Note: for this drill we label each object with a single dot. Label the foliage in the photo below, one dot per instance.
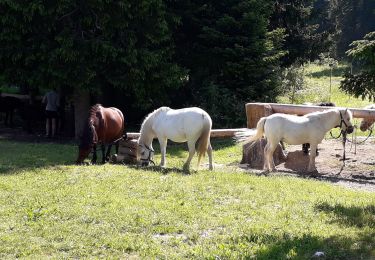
(362, 84)
(89, 44)
(51, 209)
(293, 81)
(301, 20)
(230, 56)
(351, 19)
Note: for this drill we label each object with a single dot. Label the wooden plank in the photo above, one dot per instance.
(215, 133)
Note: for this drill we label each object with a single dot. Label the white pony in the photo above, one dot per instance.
(181, 125)
(310, 128)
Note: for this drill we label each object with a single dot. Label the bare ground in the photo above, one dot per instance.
(358, 172)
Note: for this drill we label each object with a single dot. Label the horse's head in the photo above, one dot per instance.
(367, 123)
(345, 120)
(145, 154)
(87, 141)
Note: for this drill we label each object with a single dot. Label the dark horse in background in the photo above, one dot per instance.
(8, 105)
(105, 126)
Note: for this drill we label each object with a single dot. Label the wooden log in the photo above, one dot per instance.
(255, 111)
(304, 109)
(253, 154)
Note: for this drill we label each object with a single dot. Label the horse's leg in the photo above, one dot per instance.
(191, 146)
(209, 152)
(6, 117)
(108, 153)
(311, 166)
(93, 161)
(265, 158)
(270, 151)
(103, 153)
(11, 118)
(117, 146)
(163, 150)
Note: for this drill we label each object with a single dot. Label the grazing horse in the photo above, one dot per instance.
(181, 125)
(310, 128)
(104, 126)
(8, 105)
(367, 123)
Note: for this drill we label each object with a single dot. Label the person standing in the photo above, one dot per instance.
(52, 101)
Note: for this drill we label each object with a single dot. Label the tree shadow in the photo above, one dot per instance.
(16, 156)
(305, 247)
(350, 215)
(161, 170)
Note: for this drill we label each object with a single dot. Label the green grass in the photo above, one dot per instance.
(317, 89)
(52, 209)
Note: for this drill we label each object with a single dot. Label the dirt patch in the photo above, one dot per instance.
(358, 171)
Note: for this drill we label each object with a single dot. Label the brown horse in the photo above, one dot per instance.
(105, 126)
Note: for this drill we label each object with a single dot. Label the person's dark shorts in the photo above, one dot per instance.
(51, 114)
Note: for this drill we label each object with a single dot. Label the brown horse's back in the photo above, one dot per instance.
(110, 124)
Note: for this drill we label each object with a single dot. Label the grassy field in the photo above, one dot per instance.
(319, 89)
(50, 208)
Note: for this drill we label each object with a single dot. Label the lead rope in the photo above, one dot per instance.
(343, 145)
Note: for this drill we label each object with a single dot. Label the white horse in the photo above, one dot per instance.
(181, 125)
(310, 128)
(367, 123)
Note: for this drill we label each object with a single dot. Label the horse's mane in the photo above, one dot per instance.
(329, 110)
(93, 110)
(372, 106)
(88, 134)
(153, 114)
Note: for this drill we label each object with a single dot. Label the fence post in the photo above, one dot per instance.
(254, 111)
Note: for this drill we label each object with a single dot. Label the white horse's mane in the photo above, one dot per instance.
(328, 110)
(153, 114)
(371, 106)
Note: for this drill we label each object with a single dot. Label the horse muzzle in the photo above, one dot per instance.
(350, 129)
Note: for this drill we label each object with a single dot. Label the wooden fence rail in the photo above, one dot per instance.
(254, 111)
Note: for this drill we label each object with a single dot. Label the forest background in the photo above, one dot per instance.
(218, 55)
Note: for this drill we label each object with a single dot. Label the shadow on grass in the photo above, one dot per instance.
(16, 156)
(350, 215)
(336, 72)
(305, 247)
(161, 169)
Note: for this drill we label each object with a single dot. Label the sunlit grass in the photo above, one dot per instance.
(320, 87)
(52, 209)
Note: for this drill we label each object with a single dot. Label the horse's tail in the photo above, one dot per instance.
(204, 141)
(260, 131)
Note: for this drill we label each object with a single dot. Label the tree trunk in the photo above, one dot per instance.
(81, 109)
(253, 154)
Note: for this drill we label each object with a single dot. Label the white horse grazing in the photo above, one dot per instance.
(181, 125)
(310, 128)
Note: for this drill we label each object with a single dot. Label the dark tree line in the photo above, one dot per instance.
(142, 54)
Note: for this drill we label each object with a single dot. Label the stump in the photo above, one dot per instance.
(127, 152)
(253, 155)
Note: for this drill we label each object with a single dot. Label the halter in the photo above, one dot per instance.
(343, 121)
(151, 152)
